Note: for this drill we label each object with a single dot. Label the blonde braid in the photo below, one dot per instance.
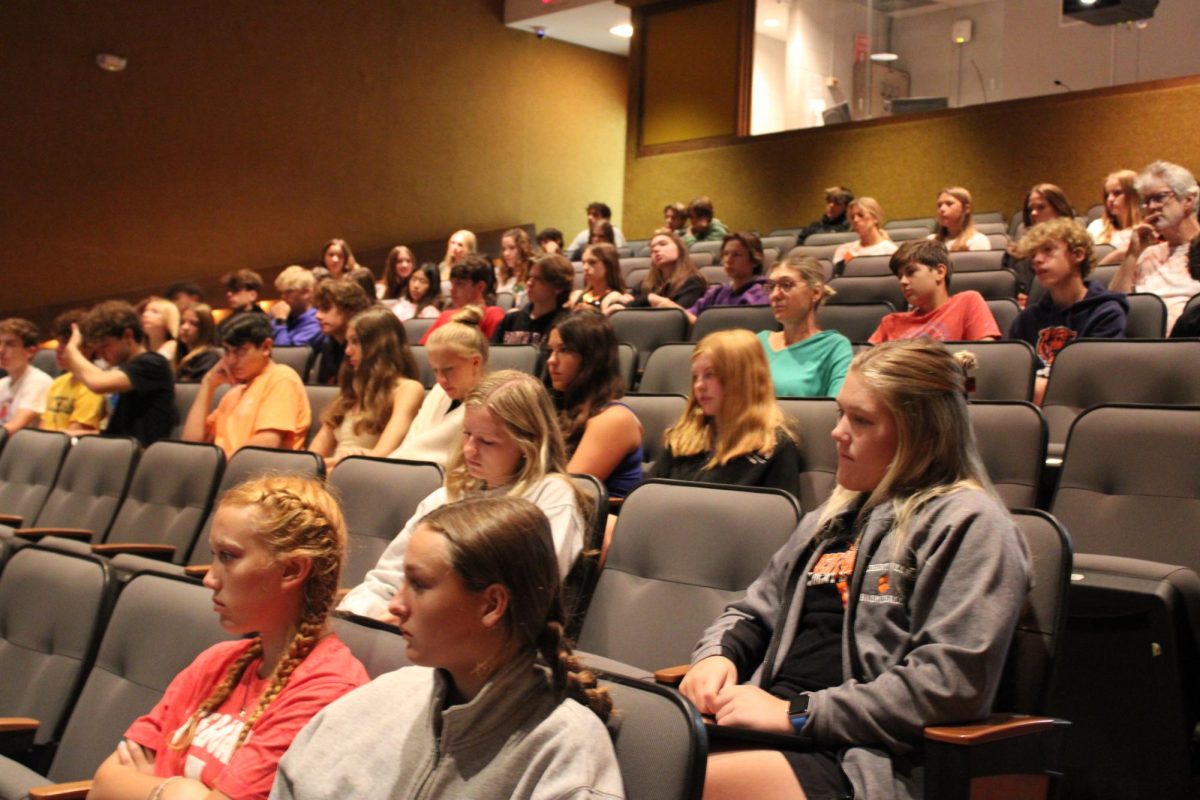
(233, 677)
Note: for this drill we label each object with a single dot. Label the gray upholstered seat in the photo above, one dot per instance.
(29, 465)
(1005, 311)
(296, 356)
(819, 239)
(723, 318)
(521, 357)
(415, 328)
(992, 284)
(91, 485)
(668, 370)
(656, 412)
(1011, 436)
(1147, 317)
(976, 261)
(424, 371)
(319, 398)
(868, 267)
(877, 289)
(647, 328)
(813, 419)
(378, 645)
(1004, 370)
(855, 321)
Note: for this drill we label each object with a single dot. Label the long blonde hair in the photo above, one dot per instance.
(924, 387)
(749, 420)
(1133, 208)
(297, 518)
(963, 196)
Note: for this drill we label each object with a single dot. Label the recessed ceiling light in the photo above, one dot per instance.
(110, 63)
(884, 57)
(624, 30)
(771, 23)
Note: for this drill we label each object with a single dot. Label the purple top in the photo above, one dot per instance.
(750, 293)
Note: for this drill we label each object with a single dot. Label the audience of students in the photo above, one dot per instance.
(911, 547)
(380, 391)
(266, 405)
(516, 261)
(1156, 260)
(225, 721)
(198, 350)
(597, 212)
(603, 281)
(804, 360)
(24, 388)
(398, 268)
(955, 227)
(337, 301)
(1072, 307)
(732, 429)
(160, 321)
(471, 285)
(139, 382)
(866, 220)
(583, 372)
(481, 602)
(547, 289)
(294, 317)
(1122, 211)
(924, 269)
(457, 353)
(703, 226)
(673, 277)
(422, 297)
(71, 407)
(837, 201)
(337, 257)
(510, 444)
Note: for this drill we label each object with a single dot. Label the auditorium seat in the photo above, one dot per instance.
(724, 318)
(1005, 311)
(825, 239)
(780, 242)
(580, 582)
(29, 465)
(1147, 317)
(656, 412)
(976, 261)
(424, 371)
(521, 357)
(414, 329)
(647, 328)
(813, 420)
(319, 398)
(901, 235)
(855, 321)
(1011, 437)
(296, 357)
(878, 289)
(993, 285)
(668, 370)
(1004, 369)
(867, 267)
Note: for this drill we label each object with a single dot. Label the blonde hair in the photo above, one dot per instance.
(298, 518)
(1133, 209)
(963, 196)
(461, 335)
(1065, 229)
(749, 420)
(294, 277)
(169, 312)
(924, 387)
(872, 207)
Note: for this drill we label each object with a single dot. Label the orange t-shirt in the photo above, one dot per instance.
(965, 317)
(274, 401)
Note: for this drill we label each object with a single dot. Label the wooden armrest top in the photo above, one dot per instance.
(671, 676)
(995, 728)
(196, 571)
(75, 790)
(17, 724)
(167, 550)
(11, 520)
(81, 534)
(615, 502)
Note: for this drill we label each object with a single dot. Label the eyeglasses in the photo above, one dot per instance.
(1158, 198)
(786, 286)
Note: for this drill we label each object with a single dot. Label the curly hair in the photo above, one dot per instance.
(524, 264)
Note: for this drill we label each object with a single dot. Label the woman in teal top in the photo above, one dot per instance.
(805, 361)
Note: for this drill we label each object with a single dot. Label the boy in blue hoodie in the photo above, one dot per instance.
(1072, 307)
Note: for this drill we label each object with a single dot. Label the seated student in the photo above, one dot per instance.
(934, 599)
(184, 294)
(837, 201)
(805, 361)
(924, 269)
(1157, 258)
(470, 285)
(510, 445)
(366, 281)
(1044, 202)
(597, 213)
(702, 225)
(198, 351)
(583, 371)
(160, 322)
(482, 603)
(547, 289)
(516, 261)
(866, 220)
(294, 318)
(379, 395)
(397, 269)
(23, 390)
(139, 382)
(226, 720)
(673, 279)
(460, 245)
(265, 406)
(675, 217)
(458, 354)
(955, 227)
(603, 282)
(1072, 308)
(338, 301)
(550, 241)
(241, 291)
(1121, 213)
(71, 407)
(732, 430)
(337, 257)
(422, 295)
(742, 258)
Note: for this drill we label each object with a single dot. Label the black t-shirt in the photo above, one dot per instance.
(814, 661)
(780, 470)
(147, 411)
(332, 352)
(519, 327)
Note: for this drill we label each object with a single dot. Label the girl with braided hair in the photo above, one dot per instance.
(480, 602)
(225, 721)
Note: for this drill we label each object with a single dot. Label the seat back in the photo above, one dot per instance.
(378, 496)
(158, 627)
(724, 318)
(1147, 317)
(1011, 437)
(581, 580)
(818, 239)
(668, 370)
(296, 357)
(709, 246)
(660, 741)
(424, 371)
(1004, 370)
(91, 484)
(29, 466)
(679, 554)
(521, 357)
(169, 496)
(319, 398)
(855, 321)
(976, 261)
(813, 420)
(647, 328)
(877, 289)
(901, 235)
(378, 645)
(185, 396)
(52, 610)
(250, 462)
(46, 359)
(629, 265)
(993, 284)
(416, 327)
(627, 358)
(781, 242)
(1005, 311)
(656, 412)
(867, 267)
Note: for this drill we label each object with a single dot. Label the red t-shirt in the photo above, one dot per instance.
(965, 317)
(328, 672)
(491, 318)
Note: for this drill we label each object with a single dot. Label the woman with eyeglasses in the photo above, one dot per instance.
(805, 361)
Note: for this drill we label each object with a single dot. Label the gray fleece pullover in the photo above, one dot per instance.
(926, 632)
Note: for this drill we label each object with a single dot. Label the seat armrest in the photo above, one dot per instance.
(12, 520)
(163, 552)
(75, 790)
(671, 676)
(993, 729)
(76, 534)
(1006, 755)
(16, 734)
(196, 571)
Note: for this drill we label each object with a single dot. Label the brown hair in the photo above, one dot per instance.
(23, 329)
(1055, 197)
(608, 255)
(395, 286)
(112, 318)
(344, 293)
(963, 196)
(242, 279)
(930, 252)
(590, 334)
(753, 245)
(684, 267)
(524, 256)
(371, 387)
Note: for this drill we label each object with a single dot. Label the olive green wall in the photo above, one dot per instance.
(246, 134)
(997, 151)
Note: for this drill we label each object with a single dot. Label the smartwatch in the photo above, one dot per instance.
(798, 712)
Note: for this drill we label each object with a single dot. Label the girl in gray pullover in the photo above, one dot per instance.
(930, 573)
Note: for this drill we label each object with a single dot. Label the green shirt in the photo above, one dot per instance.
(715, 233)
(812, 367)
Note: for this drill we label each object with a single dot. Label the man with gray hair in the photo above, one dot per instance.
(1157, 258)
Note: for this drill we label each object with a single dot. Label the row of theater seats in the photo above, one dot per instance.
(1125, 644)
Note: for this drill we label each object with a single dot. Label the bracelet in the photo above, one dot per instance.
(158, 790)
